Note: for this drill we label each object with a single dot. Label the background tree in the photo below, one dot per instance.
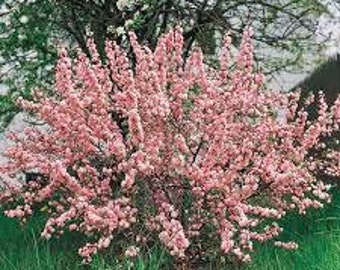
(29, 30)
(284, 26)
(27, 50)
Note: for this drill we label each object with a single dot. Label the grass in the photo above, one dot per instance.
(22, 249)
(317, 233)
(318, 236)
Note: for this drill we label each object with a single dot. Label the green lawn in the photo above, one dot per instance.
(317, 233)
(318, 236)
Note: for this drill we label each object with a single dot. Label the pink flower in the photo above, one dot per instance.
(131, 251)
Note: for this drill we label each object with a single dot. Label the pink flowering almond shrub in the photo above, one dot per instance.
(171, 150)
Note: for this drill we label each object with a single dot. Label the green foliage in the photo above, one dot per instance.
(27, 51)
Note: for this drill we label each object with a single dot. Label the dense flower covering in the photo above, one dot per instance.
(170, 150)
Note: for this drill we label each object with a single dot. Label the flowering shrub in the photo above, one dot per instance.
(170, 150)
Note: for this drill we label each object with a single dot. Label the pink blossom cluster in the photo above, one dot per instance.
(171, 147)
